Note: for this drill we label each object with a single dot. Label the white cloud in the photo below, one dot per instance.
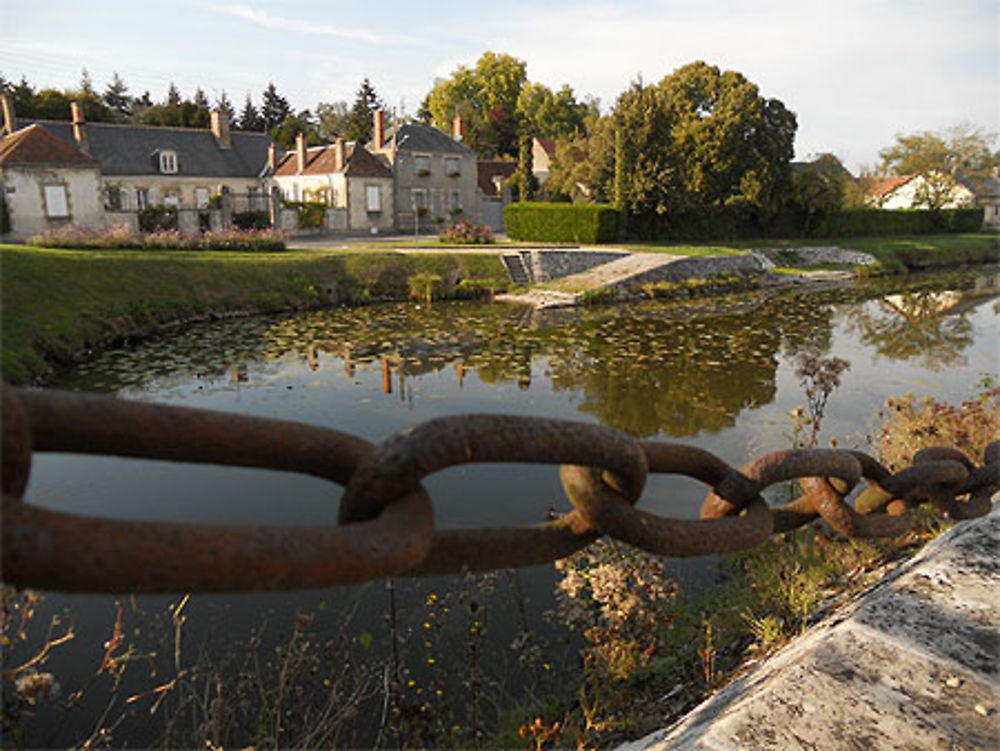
(259, 17)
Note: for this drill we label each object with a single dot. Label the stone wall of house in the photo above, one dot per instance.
(359, 219)
(438, 188)
(182, 191)
(24, 190)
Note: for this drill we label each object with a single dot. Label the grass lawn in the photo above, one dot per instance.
(57, 303)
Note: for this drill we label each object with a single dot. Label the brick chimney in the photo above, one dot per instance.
(378, 130)
(220, 129)
(272, 157)
(339, 154)
(300, 152)
(458, 128)
(9, 119)
(79, 127)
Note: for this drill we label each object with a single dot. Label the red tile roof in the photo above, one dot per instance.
(881, 186)
(321, 160)
(35, 145)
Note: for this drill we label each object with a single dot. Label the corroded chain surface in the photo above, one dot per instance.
(386, 520)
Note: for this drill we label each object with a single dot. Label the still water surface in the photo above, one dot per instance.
(718, 374)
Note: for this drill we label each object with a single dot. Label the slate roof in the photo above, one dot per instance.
(487, 169)
(982, 187)
(133, 149)
(420, 138)
(321, 160)
(35, 145)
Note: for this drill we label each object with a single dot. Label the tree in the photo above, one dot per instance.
(359, 121)
(941, 159)
(543, 114)
(286, 133)
(525, 178)
(225, 106)
(333, 119)
(86, 86)
(250, 118)
(274, 108)
(817, 189)
(117, 98)
(486, 96)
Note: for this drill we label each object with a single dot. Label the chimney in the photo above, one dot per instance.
(378, 130)
(339, 154)
(220, 129)
(79, 127)
(300, 152)
(9, 120)
(458, 128)
(272, 157)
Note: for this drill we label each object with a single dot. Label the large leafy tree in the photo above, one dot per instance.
(285, 134)
(545, 114)
(333, 119)
(941, 159)
(359, 120)
(486, 97)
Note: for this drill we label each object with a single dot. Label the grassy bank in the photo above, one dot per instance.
(895, 254)
(59, 303)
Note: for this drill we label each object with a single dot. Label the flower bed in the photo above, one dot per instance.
(244, 240)
(463, 233)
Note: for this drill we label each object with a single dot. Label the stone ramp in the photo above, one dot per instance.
(914, 664)
(615, 272)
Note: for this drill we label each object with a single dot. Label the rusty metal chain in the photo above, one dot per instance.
(386, 520)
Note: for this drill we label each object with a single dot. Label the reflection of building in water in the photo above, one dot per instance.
(929, 304)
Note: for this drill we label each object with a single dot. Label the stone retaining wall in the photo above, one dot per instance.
(546, 265)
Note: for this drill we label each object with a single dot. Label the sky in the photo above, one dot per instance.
(855, 73)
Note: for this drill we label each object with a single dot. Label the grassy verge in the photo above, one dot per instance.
(59, 303)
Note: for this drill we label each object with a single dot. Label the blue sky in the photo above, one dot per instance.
(855, 73)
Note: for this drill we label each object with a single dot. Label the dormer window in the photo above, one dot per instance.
(168, 162)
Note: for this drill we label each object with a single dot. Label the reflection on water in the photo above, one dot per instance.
(717, 372)
(670, 369)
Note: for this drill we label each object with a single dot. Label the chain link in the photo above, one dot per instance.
(386, 520)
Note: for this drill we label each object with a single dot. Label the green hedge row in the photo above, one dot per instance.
(562, 222)
(867, 222)
(598, 223)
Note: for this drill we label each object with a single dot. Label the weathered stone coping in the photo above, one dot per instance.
(913, 664)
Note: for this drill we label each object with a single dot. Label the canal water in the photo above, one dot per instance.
(715, 373)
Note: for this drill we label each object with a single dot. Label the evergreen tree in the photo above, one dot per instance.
(87, 84)
(116, 97)
(197, 113)
(359, 124)
(250, 118)
(274, 107)
(224, 105)
(173, 96)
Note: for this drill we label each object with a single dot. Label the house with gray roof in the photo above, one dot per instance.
(986, 193)
(182, 168)
(435, 174)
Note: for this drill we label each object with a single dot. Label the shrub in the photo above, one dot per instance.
(312, 214)
(562, 222)
(76, 238)
(867, 222)
(259, 219)
(463, 233)
(158, 218)
(698, 223)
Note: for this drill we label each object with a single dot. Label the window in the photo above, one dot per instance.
(252, 198)
(56, 204)
(373, 199)
(171, 200)
(452, 167)
(168, 162)
(455, 202)
(422, 164)
(418, 198)
(141, 198)
(201, 198)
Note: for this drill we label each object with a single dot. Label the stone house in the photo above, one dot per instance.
(182, 168)
(47, 183)
(435, 176)
(986, 192)
(344, 176)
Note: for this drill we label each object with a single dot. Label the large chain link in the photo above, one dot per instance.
(386, 518)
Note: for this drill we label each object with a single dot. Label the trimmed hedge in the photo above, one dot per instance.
(868, 222)
(562, 222)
